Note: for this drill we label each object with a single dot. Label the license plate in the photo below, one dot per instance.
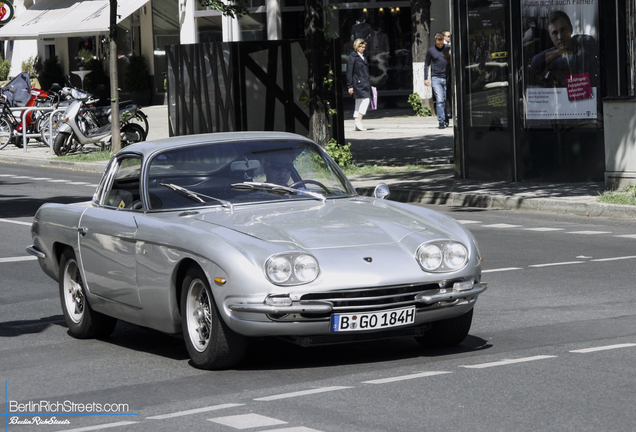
(373, 320)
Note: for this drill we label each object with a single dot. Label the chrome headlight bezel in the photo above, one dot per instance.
(291, 268)
(442, 256)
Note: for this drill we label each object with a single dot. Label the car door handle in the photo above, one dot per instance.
(82, 231)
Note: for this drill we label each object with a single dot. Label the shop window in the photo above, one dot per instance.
(631, 45)
(387, 31)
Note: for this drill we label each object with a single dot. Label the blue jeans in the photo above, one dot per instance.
(439, 87)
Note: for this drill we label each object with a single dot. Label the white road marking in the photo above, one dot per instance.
(508, 362)
(544, 229)
(194, 411)
(502, 226)
(302, 393)
(501, 269)
(58, 181)
(293, 429)
(77, 183)
(557, 264)
(405, 377)
(41, 178)
(247, 421)
(18, 259)
(603, 348)
(15, 222)
(614, 259)
(466, 222)
(633, 236)
(102, 426)
(589, 232)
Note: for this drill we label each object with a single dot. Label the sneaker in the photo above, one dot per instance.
(442, 126)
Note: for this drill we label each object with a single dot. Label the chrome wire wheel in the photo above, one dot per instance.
(199, 315)
(74, 298)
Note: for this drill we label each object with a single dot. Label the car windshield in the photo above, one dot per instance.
(244, 172)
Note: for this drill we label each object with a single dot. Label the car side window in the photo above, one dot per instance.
(123, 192)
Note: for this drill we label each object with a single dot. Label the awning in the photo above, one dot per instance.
(67, 18)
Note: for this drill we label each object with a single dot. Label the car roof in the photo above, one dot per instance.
(147, 148)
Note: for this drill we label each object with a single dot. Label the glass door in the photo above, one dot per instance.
(484, 89)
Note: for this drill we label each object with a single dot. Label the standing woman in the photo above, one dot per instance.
(358, 81)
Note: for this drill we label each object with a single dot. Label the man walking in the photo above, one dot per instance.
(435, 56)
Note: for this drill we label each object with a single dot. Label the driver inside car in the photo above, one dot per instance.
(278, 168)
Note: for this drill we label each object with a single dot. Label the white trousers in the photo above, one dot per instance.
(361, 106)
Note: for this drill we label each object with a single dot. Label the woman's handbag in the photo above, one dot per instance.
(374, 98)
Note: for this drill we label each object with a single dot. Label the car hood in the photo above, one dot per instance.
(339, 223)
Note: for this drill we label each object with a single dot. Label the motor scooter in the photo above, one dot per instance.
(80, 126)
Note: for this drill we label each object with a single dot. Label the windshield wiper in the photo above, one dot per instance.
(272, 187)
(194, 196)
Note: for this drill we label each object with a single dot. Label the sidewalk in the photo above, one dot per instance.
(396, 137)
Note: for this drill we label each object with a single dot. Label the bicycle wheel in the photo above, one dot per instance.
(44, 127)
(6, 132)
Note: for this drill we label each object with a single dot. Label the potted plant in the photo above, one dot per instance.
(83, 56)
(137, 80)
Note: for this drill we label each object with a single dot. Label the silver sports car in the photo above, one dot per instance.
(227, 236)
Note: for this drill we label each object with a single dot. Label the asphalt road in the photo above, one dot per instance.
(552, 347)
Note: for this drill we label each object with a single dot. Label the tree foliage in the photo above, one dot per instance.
(231, 8)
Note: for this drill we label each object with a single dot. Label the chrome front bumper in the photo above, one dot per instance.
(445, 297)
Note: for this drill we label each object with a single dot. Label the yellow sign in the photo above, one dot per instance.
(303, 96)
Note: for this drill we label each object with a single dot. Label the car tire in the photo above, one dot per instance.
(210, 342)
(82, 321)
(446, 333)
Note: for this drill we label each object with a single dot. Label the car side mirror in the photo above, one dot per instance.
(381, 191)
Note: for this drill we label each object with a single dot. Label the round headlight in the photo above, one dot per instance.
(455, 256)
(278, 269)
(430, 257)
(306, 268)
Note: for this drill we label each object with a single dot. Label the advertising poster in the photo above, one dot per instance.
(487, 71)
(561, 62)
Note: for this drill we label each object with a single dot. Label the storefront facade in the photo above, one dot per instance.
(531, 78)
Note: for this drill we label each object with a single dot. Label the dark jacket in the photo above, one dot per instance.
(358, 76)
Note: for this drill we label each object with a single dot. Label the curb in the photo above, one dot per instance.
(52, 163)
(503, 202)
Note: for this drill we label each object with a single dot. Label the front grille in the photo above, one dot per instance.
(371, 298)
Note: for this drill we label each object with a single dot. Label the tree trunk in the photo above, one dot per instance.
(421, 18)
(114, 82)
(316, 45)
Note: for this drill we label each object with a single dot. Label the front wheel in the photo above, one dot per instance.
(446, 333)
(210, 342)
(62, 143)
(82, 321)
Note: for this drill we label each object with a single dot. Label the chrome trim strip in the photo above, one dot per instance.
(35, 252)
(452, 295)
(313, 307)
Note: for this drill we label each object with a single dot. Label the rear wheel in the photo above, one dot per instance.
(131, 133)
(62, 143)
(6, 132)
(140, 119)
(210, 342)
(448, 332)
(82, 321)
